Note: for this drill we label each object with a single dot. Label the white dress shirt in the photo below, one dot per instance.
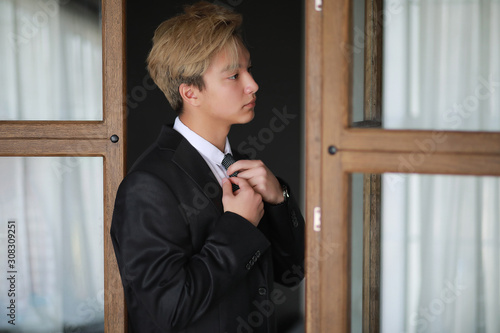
(210, 153)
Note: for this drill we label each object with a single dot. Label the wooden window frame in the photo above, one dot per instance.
(90, 138)
(335, 150)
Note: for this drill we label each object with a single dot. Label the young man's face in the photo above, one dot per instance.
(229, 94)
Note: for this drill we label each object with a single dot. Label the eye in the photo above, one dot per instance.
(249, 69)
(234, 77)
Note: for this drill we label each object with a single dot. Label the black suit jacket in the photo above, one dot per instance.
(186, 266)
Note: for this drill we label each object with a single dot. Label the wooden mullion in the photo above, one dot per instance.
(373, 60)
(114, 66)
(53, 130)
(313, 64)
(372, 182)
(395, 162)
(115, 312)
(54, 147)
(428, 142)
(335, 257)
(336, 200)
(114, 99)
(371, 251)
(337, 70)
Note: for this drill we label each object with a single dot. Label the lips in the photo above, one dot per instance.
(252, 103)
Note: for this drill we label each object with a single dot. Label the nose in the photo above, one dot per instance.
(251, 86)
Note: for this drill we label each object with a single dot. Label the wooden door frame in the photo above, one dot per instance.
(90, 138)
(114, 99)
(313, 92)
(335, 150)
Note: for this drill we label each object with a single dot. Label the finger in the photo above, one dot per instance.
(242, 165)
(226, 187)
(249, 174)
(241, 182)
(235, 188)
(253, 169)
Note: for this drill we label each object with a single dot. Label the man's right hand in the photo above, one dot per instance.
(244, 202)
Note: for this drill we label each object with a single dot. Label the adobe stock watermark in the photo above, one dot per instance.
(86, 143)
(89, 311)
(454, 117)
(437, 306)
(249, 147)
(31, 25)
(266, 308)
(201, 198)
(140, 92)
(277, 124)
(463, 110)
(68, 164)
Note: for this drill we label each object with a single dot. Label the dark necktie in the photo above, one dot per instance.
(226, 162)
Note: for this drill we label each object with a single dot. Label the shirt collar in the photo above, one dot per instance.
(204, 147)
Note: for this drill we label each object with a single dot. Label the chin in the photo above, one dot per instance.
(249, 117)
(243, 117)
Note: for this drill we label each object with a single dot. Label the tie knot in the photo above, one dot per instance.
(227, 161)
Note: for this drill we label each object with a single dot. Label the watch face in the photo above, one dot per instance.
(285, 192)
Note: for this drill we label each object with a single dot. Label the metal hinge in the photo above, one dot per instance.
(317, 219)
(318, 5)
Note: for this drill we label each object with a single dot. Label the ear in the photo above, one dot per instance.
(189, 94)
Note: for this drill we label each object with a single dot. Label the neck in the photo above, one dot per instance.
(213, 132)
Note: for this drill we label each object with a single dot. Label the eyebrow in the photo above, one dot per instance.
(234, 66)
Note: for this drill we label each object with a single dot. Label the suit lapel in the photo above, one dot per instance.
(193, 164)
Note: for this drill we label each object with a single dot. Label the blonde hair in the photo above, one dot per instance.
(184, 45)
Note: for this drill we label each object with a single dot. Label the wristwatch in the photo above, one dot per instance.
(286, 195)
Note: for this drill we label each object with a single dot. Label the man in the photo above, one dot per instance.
(199, 246)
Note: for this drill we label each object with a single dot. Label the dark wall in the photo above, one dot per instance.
(273, 34)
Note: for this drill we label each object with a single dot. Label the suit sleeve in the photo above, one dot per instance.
(157, 262)
(286, 233)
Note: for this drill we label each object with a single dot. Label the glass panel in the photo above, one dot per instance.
(441, 66)
(51, 223)
(357, 51)
(440, 253)
(51, 54)
(357, 253)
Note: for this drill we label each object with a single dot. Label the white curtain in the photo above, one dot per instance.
(56, 204)
(50, 69)
(51, 61)
(441, 234)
